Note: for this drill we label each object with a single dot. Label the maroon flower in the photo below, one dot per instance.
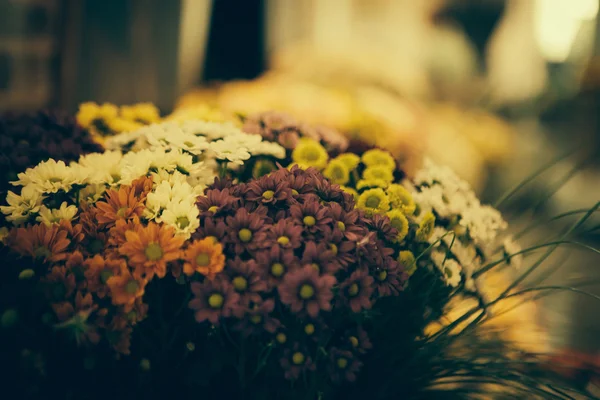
(268, 191)
(332, 193)
(389, 278)
(246, 231)
(305, 290)
(346, 222)
(311, 215)
(286, 233)
(213, 300)
(358, 340)
(343, 365)
(258, 319)
(333, 140)
(299, 181)
(343, 249)
(356, 291)
(212, 227)
(275, 263)
(271, 125)
(320, 257)
(246, 281)
(216, 202)
(296, 360)
(382, 226)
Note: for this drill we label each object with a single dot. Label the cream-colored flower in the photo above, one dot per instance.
(54, 216)
(104, 167)
(52, 176)
(21, 206)
(211, 130)
(92, 193)
(183, 216)
(228, 151)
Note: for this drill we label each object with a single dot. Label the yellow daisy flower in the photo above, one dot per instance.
(407, 259)
(379, 172)
(398, 220)
(121, 125)
(142, 113)
(310, 153)
(337, 172)
(425, 227)
(96, 118)
(376, 157)
(351, 191)
(371, 183)
(373, 201)
(401, 198)
(350, 160)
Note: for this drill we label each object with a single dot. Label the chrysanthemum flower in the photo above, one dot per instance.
(41, 242)
(337, 172)
(309, 153)
(401, 198)
(356, 291)
(350, 160)
(382, 225)
(122, 204)
(425, 228)
(268, 191)
(258, 319)
(216, 202)
(407, 259)
(358, 340)
(389, 277)
(22, 206)
(371, 184)
(276, 262)
(343, 365)
(247, 281)
(305, 290)
(54, 216)
(216, 229)
(320, 257)
(124, 287)
(143, 113)
(376, 157)
(99, 270)
(52, 176)
(373, 201)
(286, 233)
(150, 248)
(246, 231)
(95, 118)
(59, 283)
(399, 222)
(295, 360)
(182, 216)
(311, 215)
(378, 172)
(205, 257)
(213, 300)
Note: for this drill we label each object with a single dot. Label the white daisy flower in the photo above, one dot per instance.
(229, 151)
(211, 130)
(122, 140)
(92, 193)
(183, 216)
(105, 167)
(164, 194)
(52, 176)
(449, 268)
(54, 216)
(20, 207)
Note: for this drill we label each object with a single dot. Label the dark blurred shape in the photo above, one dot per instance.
(236, 41)
(5, 70)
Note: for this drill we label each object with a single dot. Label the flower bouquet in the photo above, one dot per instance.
(195, 258)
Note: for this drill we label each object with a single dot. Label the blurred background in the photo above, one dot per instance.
(496, 89)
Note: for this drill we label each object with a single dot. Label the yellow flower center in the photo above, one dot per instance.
(245, 235)
(213, 209)
(132, 287)
(372, 202)
(353, 290)
(309, 220)
(240, 283)
(268, 194)
(277, 269)
(309, 329)
(42, 252)
(104, 275)
(306, 291)
(342, 363)
(295, 192)
(281, 338)
(333, 248)
(121, 212)
(216, 300)
(153, 252)
(26, 274)
(182, 222)
(298, 358)
(202, 260)
(353, 341)
(316, 267)
(341, 226)
(397, 223)
(283, 240)
(382, 275)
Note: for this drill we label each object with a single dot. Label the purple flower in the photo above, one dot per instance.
(389, 278)
(305, 290)
(213, 300)
(275, 263)
(319, 257)
(356, 291)
(299, 181)
(332, 193)
(272, 126)
(212, 227)
(311, 215)
(220, 184)
(216, 202)
(358, 340)
(382, 226)
(246, 231)
(286, 233)
(258, 319)
(246, 281)
(296, 360)
(343, 365)
(346, 222)
(268, 191)
(343, 249)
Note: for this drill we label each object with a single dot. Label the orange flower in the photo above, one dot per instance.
(119, 205)
(150, 248)
(205, 257)
(60, 283)
(99, 270)
(116, 235)
(141, 187)
(41, 242)
(65, 310)
(124, 288)
(75, 232)
(75, 318)
(136, 312)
